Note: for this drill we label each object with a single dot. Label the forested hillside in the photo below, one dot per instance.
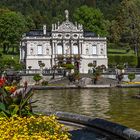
(48, 11)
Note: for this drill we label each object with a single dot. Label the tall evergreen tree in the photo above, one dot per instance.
(126, 27)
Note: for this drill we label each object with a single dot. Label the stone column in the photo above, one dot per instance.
(62, 47)
(80, 47)
(70, 47)
(52, 61)
(105, 50)
(55, 48)
(98, 49)
(53, 51)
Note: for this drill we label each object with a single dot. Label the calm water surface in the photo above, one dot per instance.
(116, 105)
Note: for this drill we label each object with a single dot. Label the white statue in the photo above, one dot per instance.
(67, 14)
(47, 51)
(31, 51)
(87, 51)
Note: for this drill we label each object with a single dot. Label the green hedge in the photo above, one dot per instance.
(119, 59)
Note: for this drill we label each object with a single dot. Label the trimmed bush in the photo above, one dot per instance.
(118, 59)
(44, 83)
(69, 66)
(90, 64)
(131, 76)
(37, 78)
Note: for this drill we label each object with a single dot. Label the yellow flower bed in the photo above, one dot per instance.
(32, 128)
(131, 82)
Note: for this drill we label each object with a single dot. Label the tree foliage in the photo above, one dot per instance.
(43, 11)
(12, 26)
(126, 27)
(92, 19)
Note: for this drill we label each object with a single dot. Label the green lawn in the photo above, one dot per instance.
(120, 52)
(10, 56)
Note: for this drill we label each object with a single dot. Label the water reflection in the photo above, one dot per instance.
(112, 104)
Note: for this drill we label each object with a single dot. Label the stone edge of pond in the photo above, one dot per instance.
(101, 124)
(38, 87)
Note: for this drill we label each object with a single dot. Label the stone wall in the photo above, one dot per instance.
(30, 80)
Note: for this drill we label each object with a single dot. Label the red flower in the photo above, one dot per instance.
(2, 81)
(13, 89)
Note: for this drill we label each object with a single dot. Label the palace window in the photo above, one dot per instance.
(67, 35)
(94, 49)
(59, 48)
(75, 48)
(59, 35)
(75, 35)
(40, 50)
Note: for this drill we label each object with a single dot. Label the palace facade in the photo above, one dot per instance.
(65, 43)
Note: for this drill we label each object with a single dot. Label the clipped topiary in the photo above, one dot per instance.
(37, 78)
(131, 76)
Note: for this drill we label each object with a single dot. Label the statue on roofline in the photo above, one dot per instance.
(67, 14)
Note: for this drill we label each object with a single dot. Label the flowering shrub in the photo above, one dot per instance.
(11, 104)
(2, 81)
(17, 121)
(10, 89)
(32, 128)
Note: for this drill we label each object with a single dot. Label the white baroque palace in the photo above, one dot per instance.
(65, 42)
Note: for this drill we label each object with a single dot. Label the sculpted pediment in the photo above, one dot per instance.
(67, 26)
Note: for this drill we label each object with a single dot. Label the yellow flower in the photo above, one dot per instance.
(32, 128)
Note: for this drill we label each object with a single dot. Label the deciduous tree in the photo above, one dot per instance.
(92, 19)
(12, 26)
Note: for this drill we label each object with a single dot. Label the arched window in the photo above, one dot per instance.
(59, 48)
(94, 49)
(75, 48)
